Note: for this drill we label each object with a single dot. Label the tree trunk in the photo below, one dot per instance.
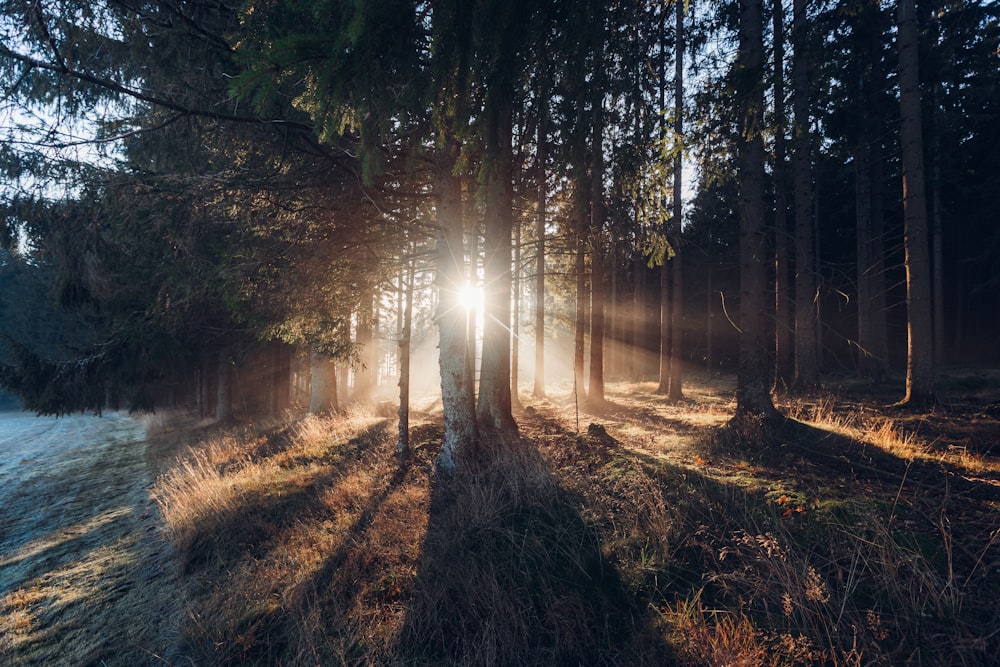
(665, 297)
(879, 343)
(612, 320)
(806, 369)
(753, 398)
(538, 391)
(937, 230)
(364, 372)
(663, 384)
(784, 367)
(460, 431)
(867, 364)
(471, 223)
(515, 321)
(494, 407)
(709, 311)
(637, 322)
(322, 384)
(595, 390)
(579, 342)
(920, 335)
(675, 391)
(224, 395)
(406, 292)
(282, 374)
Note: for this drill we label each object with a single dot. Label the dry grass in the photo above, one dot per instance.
(655, 536)
(86, 575)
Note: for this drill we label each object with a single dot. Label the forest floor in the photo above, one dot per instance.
(634, 532)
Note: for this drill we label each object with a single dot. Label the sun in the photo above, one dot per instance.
(470, 297)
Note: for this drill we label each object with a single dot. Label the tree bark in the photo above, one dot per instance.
(580, 314)
(322, 383)
(663, 387)
(867, 364)
(920, 335)
(595, 390)
(515, 321)
(806, 369)
(224, 395)
(879, 342)
(784, 364)
(538, 391)
(637, 323)
(937, 229)
(494, 406)
(675, 391)
(460, 430)
(363, 372)
(471, 223)
(753, 397)
(406, 294)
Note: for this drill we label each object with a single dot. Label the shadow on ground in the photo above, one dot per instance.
(512, 574)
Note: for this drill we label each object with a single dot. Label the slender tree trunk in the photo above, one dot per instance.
(663, 384)
(460, 430)
(364, 372)
(375, 347)
(878, 345)
(753, 397)
(515, 320)
(937, 230)
(920, 335)
(806, 369)
(494, 409)
(406, 292)
(322, 383)
(538, 391)
(595, 390)
(663, 387)
(224, 395)
(637, 323)
(784, 365)
(863, 198)
(612, 343)
(471, 223)
(675, 392)
(282, 376)
(709, 311)
(579, 338)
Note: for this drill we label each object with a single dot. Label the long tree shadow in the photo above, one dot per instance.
(707, 537)
(511, 574)
(834, 456)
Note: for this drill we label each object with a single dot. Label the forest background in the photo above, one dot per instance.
(208, 190)
(245, 209)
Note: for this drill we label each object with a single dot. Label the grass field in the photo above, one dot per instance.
(851, 535)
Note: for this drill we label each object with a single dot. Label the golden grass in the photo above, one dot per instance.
(630, 543)
(891, 436)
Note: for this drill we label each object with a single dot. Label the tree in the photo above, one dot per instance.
(783, 351)
(753, 398)
(322, 383)
(806, 369)
(675, 391)
(598, 213)
(872, 342)
(541, 156)
(406, 279)
(920, 335)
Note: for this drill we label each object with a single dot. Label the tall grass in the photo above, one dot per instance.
(307, 543)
